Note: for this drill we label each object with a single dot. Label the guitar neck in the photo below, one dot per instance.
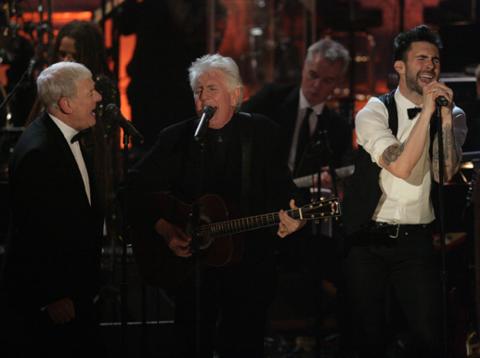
(250, 223)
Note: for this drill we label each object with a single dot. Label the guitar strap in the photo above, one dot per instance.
(246, 144)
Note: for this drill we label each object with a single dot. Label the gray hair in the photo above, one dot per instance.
(216, 62)
(330, 50)
(60, 80)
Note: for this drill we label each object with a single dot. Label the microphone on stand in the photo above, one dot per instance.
(31, 66)
(207, 114)
(112, 112)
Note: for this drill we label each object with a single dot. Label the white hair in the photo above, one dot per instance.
(330, 50)
(217, 62)
(60, 80)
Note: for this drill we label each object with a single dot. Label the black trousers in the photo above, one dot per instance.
(379, 268)
(33, 334)
(231, 311)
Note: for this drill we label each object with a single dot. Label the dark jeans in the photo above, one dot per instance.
(379, 268)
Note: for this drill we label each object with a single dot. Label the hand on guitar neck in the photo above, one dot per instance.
(180, 242)
(287, 224)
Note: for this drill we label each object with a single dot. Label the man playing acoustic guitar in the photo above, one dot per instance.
(232, 157)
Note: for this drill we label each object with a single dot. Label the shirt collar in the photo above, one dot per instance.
(303, 104)
(403, 101)
(67, 131)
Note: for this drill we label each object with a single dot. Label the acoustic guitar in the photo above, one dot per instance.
(216, 235)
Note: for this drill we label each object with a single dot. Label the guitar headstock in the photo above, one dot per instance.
(324, 208)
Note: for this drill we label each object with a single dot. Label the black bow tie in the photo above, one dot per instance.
(80, 134)
(412, 112)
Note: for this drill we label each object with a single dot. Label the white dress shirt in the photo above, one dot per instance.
(403, 201)
(68, 132)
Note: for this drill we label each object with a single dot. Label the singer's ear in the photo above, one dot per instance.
(64, 105)
(235, 96)
(399, 66)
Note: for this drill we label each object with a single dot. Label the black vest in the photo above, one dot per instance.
(362, 190)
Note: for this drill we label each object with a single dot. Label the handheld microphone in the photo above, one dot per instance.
(207, 114)
(112, 112)
(441, 101)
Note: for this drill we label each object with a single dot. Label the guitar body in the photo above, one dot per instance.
(159, 266)
(221, 251)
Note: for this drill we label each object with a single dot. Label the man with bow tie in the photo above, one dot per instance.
(388, 210)
(52, 267)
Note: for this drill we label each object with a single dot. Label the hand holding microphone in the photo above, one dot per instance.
(442, 100)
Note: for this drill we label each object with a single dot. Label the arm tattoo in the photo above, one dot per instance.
(392, 153)
(451, 157)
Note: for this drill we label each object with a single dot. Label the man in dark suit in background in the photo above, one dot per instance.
(325, 65)
(51, 273)
(315, 139)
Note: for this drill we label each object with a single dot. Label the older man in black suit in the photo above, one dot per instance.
(51, 273)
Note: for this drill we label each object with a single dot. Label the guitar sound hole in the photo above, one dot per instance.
(205, 239)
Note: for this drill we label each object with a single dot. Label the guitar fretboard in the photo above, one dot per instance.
(250, 223)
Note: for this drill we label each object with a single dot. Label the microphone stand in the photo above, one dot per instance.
(329, 152)
(326, 150)
(14, 91)
(200, 137)
(441, 220)
(333, 174)
(126, 236)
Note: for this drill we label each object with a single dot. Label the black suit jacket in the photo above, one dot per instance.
(280, 103)
(55, 235)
